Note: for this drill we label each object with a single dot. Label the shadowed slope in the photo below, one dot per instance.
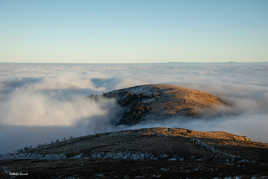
(158, 143)
(151, 152)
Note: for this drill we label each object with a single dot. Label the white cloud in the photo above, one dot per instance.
(56, 95)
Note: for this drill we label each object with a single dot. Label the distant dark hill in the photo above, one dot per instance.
(161, 101)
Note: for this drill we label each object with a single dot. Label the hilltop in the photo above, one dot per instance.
(161, 101)
(151, 151)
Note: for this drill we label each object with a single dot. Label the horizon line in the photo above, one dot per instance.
(133, 62)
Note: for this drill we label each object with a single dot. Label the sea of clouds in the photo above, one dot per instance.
(44, 102)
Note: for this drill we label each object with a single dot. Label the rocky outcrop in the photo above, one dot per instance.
(162, 101)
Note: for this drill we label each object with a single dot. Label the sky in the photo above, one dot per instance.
(133, 31)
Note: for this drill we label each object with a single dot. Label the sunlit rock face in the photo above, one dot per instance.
(162, 101)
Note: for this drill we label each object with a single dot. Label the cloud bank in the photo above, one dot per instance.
(43, 102)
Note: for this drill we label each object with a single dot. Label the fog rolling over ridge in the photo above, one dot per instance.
(43, 102)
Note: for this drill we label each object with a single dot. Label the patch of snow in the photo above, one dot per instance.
(172, 159)
(5, 169)
(148, 100)
(127, 156)
(142, 89)
(32, 156)
(79, 156)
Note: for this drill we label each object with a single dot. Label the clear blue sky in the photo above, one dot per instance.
(133, 30)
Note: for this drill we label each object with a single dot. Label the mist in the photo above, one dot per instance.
(44, 102)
